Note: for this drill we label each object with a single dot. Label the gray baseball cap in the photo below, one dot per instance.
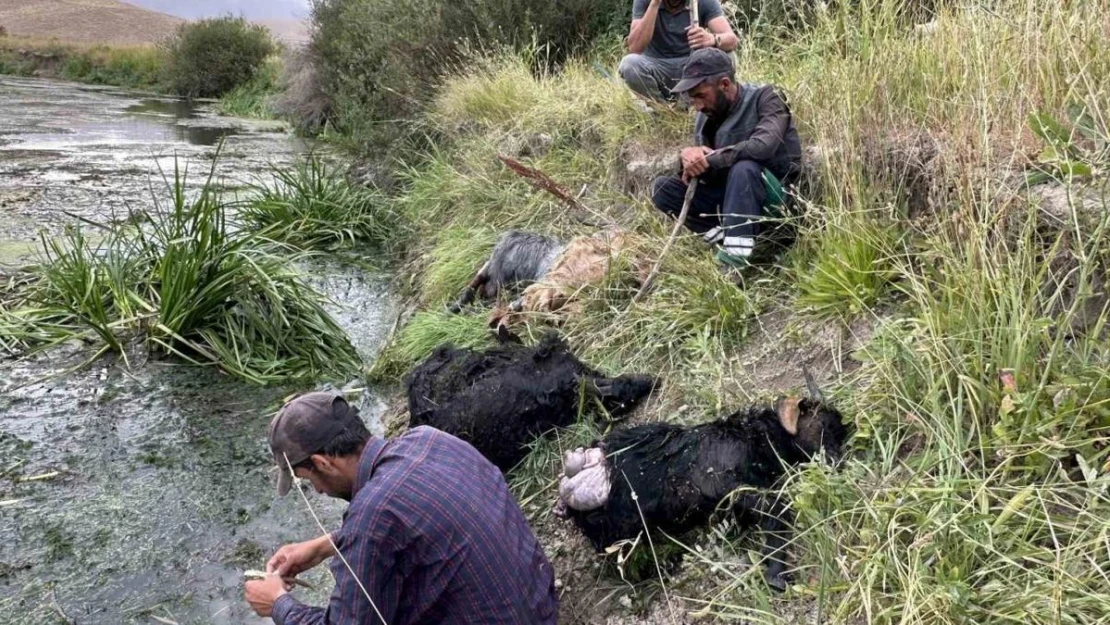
(704, 64)
(303, 427)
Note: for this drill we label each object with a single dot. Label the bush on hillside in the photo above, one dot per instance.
(3, 32)
(380, 65)
(211, 57)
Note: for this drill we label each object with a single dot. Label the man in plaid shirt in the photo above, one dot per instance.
(432, 534)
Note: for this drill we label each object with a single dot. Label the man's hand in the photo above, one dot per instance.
(262, 593)
(300, 557)
(699, 37)
(694, 163)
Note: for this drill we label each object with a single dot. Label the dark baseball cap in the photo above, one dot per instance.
(703, 64)
(303, 427)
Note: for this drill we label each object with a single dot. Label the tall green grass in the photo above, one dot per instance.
(313, 205)
(185, 281)
(252, 99)
(136, 67)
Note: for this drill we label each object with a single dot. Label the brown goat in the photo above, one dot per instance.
(586, 260)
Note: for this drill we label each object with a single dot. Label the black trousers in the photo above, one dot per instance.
(732, 200)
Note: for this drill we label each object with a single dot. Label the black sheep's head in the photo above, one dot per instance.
(622, 394)
(815, 426)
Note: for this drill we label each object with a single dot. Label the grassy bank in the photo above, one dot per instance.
(956, 315)
(135, 67)
(132, 67)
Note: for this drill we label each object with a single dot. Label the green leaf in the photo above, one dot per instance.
(1083, 122)
(1051, 131)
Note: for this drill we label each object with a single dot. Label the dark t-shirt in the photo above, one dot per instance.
(669, 39)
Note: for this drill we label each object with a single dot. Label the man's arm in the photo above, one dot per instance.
(717, 32)
(644, 14)
(774, 119)
(726, 39)
(372, 552)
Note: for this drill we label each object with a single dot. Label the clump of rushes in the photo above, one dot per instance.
(186, 282)
(851, 269)
(313, 205)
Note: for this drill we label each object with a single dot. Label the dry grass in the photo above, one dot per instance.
(85, 21)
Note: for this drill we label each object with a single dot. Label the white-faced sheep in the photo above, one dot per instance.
(500, 400)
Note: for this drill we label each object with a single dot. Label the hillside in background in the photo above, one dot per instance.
(254, 10)
(85, 21)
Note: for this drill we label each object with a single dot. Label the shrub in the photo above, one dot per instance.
(302, 98)
(380, 65)
(211, 57)
(3, 31)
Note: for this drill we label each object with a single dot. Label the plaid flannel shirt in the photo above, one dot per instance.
(434, 536)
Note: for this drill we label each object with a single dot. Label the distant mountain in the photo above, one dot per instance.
(85, 21)
(250, 9)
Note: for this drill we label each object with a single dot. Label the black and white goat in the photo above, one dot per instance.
(519, 259)
(678, 477)
(500, 400)
(551, 273)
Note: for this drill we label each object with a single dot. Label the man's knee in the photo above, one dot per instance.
(667, 194)
(636, 72)
(632, 67)
(746, 172)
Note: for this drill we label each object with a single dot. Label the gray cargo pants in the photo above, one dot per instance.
(651, 77)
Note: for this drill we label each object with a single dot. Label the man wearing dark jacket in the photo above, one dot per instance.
(746, 148)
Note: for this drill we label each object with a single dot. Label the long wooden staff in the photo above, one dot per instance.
(686, 202)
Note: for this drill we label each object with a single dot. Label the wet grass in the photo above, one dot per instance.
(312, 205)
(184, 280)
(252, 99)
(977, 486)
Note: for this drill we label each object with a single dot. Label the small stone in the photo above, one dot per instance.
(626, 601)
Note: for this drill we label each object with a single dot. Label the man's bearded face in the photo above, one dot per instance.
(711, 98)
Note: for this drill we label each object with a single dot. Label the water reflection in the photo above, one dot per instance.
(181, 110)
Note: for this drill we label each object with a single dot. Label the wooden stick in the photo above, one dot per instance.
(694, 13)
(543, 182)
(686, 202)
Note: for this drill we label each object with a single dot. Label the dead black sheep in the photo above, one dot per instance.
(681, 475)
(500, 400)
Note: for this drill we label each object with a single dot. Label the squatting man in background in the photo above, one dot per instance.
(747, 150)
(661, 39)
(431, 535)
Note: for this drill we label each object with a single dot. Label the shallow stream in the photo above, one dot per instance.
(140, 493)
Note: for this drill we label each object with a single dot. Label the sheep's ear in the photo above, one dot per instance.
(787, 409)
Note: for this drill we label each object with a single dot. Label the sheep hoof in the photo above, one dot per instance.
(776, 581)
